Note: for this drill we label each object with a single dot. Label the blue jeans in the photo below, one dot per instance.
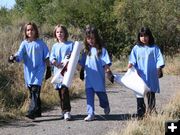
(103, 100)
(35, 104)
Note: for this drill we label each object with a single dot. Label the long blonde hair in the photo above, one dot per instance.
(64, 29)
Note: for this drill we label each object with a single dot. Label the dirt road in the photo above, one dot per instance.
(123, 106)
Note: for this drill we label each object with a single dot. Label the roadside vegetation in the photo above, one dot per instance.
(154, 124)
(117, 21)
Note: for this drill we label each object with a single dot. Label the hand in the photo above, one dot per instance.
(48, 72)
(60, 65)
(81, 75)
(68, 56)
(11, 59)
(130, 65)
(160, 72)
(110, 76)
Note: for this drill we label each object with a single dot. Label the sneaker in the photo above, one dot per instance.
(67, 116)
(107, 110)
(38, 115)
(30, 116)
(89, 118)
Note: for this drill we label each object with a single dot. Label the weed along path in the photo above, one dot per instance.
(123, 106)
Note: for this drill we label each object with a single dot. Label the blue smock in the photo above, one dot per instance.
(34, 55)
(58, 53)
(146, 60)
(94, 72)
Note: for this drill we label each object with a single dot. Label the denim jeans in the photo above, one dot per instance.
(103, 100)
(35, 104)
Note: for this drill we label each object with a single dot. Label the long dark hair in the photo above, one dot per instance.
(145, 31)
(91, 31)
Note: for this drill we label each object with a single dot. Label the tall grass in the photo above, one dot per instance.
(155, 124)
(11, 84)
(14, 96)
(173, 65)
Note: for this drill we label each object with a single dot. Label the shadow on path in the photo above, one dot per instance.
(111, 117)
(17, 124)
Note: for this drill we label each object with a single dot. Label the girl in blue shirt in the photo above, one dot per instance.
(95, 61)
(59, 52)
(35, 55)
(147, 58)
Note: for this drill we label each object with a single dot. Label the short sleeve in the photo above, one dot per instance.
(52, 55)
(132, 56)
(45, 51)
(21, 51)
(82, 59)
(159, 56)
(105, 58)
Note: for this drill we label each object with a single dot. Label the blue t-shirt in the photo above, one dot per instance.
(33, 55)
(146, 60)
(59, 52)
(94, 69)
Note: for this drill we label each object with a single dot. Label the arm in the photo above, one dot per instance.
(130, 65)
(81, 65)
(160, 62)
(81, 71)
(109, 74)
(48, 69)
(132, 58)
(18, 56)
(107, 63)
(53, 58)
(12, 59)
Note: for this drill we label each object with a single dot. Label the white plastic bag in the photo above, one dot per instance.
(117, 78)
(133, 81)
(72, 64)
(59, 75)
(57, 78)
(66, 77)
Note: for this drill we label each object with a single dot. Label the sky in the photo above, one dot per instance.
(7, 3)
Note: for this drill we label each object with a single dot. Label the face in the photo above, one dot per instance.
(144, 39)
(30, 32)
(91, 40)
(60, 35)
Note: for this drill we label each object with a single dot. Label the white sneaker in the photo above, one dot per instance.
(89, 118)
(67, 116)
(107, 110)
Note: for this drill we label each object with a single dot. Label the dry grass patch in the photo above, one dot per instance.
(172, 65)
(119, 65)
(154, 124)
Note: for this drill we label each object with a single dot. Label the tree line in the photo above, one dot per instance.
(117, 20)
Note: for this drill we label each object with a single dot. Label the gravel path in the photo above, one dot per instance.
(122, 102)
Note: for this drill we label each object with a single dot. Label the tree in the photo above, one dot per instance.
(160, 16)
(5, 18)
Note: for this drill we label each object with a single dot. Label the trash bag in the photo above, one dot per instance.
(133, 81)
(57, 78)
